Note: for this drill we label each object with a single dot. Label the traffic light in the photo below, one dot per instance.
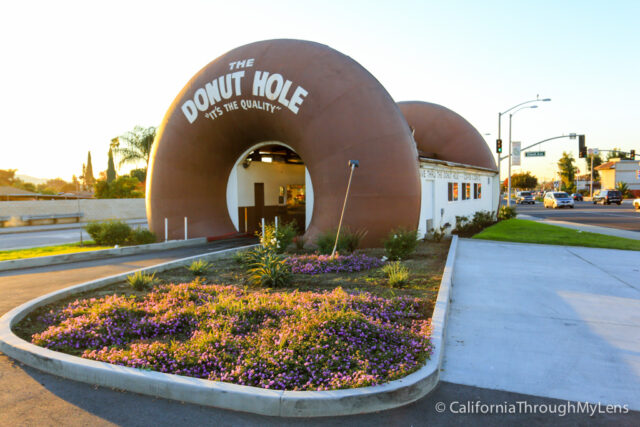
(632, 154)
(498, 146)
(582, 148)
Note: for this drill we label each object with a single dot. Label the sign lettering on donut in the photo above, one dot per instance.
(270, 92)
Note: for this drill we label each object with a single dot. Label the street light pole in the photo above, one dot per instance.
(500, 133)
(510, 159)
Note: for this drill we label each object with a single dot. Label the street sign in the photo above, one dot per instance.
(534, 153)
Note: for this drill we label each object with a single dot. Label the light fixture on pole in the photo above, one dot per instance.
(352, 165)
(500, 158)
(510, 159)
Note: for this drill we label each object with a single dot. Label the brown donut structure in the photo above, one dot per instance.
(445, 135)
(319, 102)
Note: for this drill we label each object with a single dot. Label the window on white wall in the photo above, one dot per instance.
(453, 191)
(477, 191)
(466, 191)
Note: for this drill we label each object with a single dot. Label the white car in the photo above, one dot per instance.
(557, 199)
(636, 204)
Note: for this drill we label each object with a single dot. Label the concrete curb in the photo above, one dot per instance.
(224, 395)
(15, 264)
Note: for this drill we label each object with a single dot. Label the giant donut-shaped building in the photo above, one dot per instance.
(320, 103)
(308, 110)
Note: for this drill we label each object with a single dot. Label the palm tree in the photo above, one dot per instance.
(623, 188)
(137, 145)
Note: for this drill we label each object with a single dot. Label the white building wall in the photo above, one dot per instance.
(273, 175)
(435, 178)
(627, 171)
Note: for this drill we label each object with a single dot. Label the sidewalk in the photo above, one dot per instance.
(55, 227)
(583, 227)
(551, 321)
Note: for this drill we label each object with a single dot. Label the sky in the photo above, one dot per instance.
(74, 75)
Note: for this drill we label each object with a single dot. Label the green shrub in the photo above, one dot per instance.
(269, 269)
(109, 233)
(400, 243)
(199, 267)
(507, 212)
(348, 241)
(142, 236)
(278, 239)
(466, 227)
(397, 273)
(141, 281)
(437, 235)
(113, 233)
(94, 229)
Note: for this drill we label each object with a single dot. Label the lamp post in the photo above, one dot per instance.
(500, 129)
(510, 159)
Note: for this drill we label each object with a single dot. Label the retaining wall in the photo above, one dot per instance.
(93, 209)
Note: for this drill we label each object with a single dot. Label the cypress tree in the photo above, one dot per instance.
(88, 173)
(111, 169)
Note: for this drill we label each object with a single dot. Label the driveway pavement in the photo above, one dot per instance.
(552, 321)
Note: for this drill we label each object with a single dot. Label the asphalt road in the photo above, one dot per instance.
(30, 397)
(623, 217)
(49, 237)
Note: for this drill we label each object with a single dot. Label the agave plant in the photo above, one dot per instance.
(269, 269)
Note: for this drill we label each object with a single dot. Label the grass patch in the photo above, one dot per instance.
(525, 231)
(50, 250)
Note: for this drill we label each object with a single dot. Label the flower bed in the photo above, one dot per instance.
(292, 341)
(319, 264)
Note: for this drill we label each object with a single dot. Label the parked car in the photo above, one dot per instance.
(607, 197)
(557, 199)
(523, 197)
(577, 197)
(636, 204)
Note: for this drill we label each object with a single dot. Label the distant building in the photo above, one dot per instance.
(616, 170)
(583, 182)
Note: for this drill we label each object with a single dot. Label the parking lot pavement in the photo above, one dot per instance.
(553, 321)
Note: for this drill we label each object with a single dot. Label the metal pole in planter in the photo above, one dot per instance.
(166, 229)
(185, 228)
(353, 164)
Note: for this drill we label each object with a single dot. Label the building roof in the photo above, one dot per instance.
(442, 134)
(605, 166)
(5, 190)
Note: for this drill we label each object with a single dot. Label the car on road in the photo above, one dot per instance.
(525, 197)
(607, 197)
(557, 199)
(636, 204)
(577, 197)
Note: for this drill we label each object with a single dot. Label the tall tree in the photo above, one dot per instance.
(567, 171)
(89, 180)
(8, 177)
(111, 169)
(135, 146)
(524, 181)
